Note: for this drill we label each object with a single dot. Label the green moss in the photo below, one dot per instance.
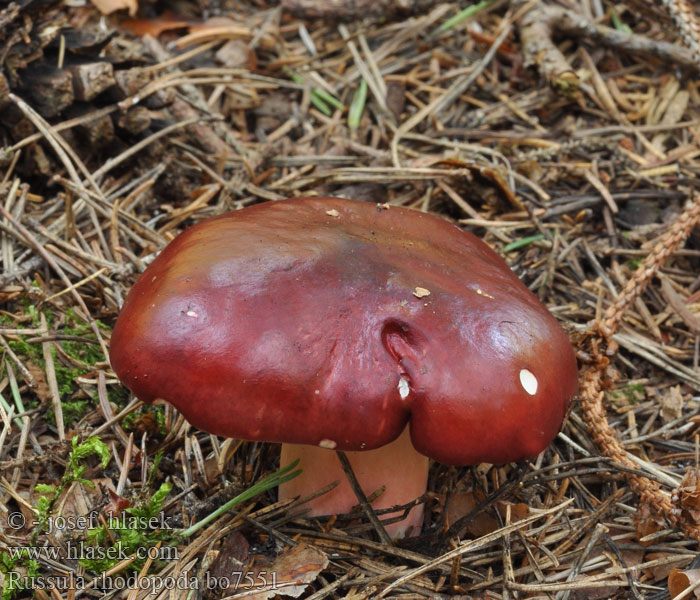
(129, 422)
(117, 395)
(86, 352)
(73, 411)
(19, 561)
(75, 469)
(630, 394)
(136, 531)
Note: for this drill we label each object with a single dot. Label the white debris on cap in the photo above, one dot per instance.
(483, 293)
(191, 313)
(332, 213)
(528, 381)
(330, 444)
(421, 292)
(403, 388)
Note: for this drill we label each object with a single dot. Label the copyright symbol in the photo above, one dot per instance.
(16, 520)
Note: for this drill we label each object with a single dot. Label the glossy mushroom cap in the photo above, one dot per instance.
(309, 321)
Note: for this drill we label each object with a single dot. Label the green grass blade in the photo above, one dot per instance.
(358, 105)
(618, 24)
(329, 98)
(283, 475)
(320, 104)
(526, 241)
(462, 15)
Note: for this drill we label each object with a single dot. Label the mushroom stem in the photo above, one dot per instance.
(397, 466)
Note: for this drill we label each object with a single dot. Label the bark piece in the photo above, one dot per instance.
(91, 79)
(135, 120)
(130, 81)
(50, 89)
(98, 133)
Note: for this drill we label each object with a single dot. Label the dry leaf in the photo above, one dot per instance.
(237, 53)
(659, 572)
(107, 7)
(672, 404)
(287, 575)
(421, 292)
(116, 504)
(41, 387)
(153, 27)
(679, 581)
(688, 494)
(677, 303)
(600, 593)
(295, 570)
(647, 524)
(462, 503)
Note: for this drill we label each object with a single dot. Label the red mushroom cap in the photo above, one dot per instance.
(333, 322)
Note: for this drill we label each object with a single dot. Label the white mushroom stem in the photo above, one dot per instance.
(397, 466)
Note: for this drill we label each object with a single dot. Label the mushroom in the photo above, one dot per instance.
(330, 324)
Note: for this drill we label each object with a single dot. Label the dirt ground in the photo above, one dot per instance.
(565, 135)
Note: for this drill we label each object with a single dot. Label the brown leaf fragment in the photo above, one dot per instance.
(600, 593)
(288, 575)
(237, 53)
(39, 383)
(679, 581)
(116, 504)
(155, 26)
(687, 495)
(660, 571)
(461, 504)
(647, 524)
(672, 404)
(676, 302)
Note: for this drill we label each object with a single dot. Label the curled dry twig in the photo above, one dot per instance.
(602, 347)
(542, 21)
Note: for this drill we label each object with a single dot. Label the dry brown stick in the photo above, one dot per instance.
(540, 50)
(362, 499)
(349, 10)
(591, 381)
(571, 23)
